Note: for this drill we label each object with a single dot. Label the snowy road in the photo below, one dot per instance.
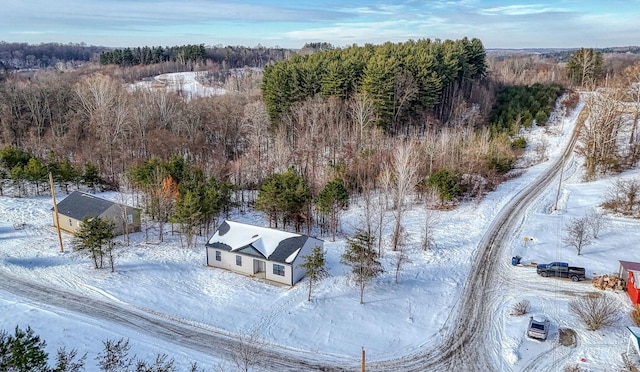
(191, 336)
(465, 343)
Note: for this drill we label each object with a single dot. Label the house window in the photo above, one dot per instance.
(278, 269)
(218, 256)
(239, 260)
(129, 219)
(70, 222)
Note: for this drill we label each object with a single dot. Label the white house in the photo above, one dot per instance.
(260, 251)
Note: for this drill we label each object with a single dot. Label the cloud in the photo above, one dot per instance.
(520, 10)
(290, 24)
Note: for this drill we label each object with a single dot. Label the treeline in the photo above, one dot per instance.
(227, 57)
(37, 56)
(405, 81)
(147, 56)
(563, 55)
(23, 169)
(14, 56)
(523, 106)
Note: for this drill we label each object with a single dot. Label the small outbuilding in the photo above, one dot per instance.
(261, 252)
(78, 205)
(630, 271)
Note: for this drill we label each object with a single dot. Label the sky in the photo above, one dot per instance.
(397, 319)
(291, 24)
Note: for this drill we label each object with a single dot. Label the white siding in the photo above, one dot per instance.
(229, 261)
(292, 272)
(286, 279)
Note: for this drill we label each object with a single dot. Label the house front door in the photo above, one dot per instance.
(259, 266)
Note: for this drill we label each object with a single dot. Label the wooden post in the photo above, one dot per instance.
(55, 211)
(363, 359)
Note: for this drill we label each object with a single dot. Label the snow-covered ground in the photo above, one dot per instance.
(396, 319)
(187, 84)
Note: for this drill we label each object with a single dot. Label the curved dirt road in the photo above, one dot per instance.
(463, 348)
(191, 336)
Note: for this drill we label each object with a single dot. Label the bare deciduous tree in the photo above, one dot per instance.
(404, 169)
(597, 220)
(248, 352)
(362, 113)
(401, 259)
(631, 75)
(623, 196)
(431, 221)
(596, 310)
(599, 135)
(578, 234)
(103, 102)
(405, 89)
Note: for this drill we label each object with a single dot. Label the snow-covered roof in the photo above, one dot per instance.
(271, 244)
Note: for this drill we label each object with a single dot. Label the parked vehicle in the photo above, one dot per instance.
(538, 327)
(562, 270)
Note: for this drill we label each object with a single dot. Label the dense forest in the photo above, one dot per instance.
(227, 57)
(405, 81)
(439, 120)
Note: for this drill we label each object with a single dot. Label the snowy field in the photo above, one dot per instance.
(186, 84)
(396, 319)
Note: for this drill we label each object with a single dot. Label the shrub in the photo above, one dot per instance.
(448, 184)
(571, 368)
(500, 163)
(520, 308)
(595, 311)
(635, 315)
(519, 143)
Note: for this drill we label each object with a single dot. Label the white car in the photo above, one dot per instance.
(538, 327)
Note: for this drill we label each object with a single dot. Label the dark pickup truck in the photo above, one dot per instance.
(561, 269)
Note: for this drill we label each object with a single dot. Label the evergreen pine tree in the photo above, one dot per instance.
(22, 352)
(332, 199)
(94, 238)
(315, 266)
(361, 256)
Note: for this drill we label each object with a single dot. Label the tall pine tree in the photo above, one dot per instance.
(315, 267)
(361, 256)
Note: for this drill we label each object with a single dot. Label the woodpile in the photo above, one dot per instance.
(605, 281)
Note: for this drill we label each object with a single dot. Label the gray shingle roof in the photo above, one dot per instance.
(79, 205)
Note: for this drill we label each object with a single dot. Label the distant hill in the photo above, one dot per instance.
(560, 54)
(16, 56)
(35, 56)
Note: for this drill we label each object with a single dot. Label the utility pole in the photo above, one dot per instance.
(363, 359)
(555, 205)
(55, 211)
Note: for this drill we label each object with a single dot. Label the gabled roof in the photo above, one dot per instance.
(79, 205)
(630, 266)
(271, 244)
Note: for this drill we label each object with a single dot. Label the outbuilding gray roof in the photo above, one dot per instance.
(79, 205)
